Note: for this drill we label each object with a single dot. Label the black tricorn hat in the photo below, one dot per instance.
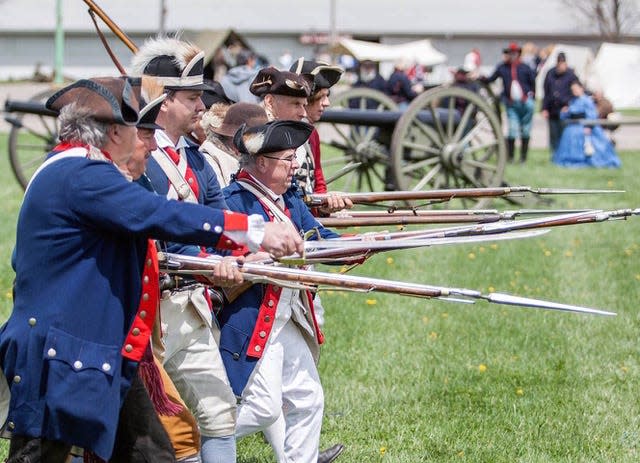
(214, 94)
(272, 137)
(319, 75)
(111, 99)
(165, 69)
(271, 80)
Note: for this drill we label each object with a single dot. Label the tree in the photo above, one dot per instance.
(612, 18)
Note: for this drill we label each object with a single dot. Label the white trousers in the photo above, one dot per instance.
(285, 383)
(192, 359)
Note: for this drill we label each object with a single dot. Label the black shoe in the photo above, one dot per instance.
(329, 455)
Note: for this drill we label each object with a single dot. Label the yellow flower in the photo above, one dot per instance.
(624, 369)
(491, 289)
(547, 252)
(444, 315)
(433, 335)
(637, 276)
(628, 252)
(481, 249)
(610, 183)
(519, 391)
(383, 450)
(471, 256)
(518, 273)
(568, 254)
(482, 368)
(389, 260)
(461, 453)
(493, 246)
(425, 320)
(8, 295)
(371, 302)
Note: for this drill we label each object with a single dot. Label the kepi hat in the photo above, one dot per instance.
(319, 75)
(273, 81)
(272, 137)
(111, 99)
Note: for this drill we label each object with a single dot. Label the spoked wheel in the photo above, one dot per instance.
(31, 137)
(363, 163)
(449, 137)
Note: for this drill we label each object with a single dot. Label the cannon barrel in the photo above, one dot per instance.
(28, 107)
(372, 117)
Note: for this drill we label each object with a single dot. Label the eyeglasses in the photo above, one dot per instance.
(288, 159)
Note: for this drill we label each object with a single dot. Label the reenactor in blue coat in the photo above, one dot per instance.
(85, 289)
(269, 335)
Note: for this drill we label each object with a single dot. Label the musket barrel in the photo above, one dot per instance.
(112, 25)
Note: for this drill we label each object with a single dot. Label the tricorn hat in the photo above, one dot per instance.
(148, 111)
(241, 113)
(271, 80)
(319, 75)
(111, 99)
(272, 137)
(178, 65)
(214, 94)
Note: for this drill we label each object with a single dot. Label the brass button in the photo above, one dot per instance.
(51, 352)
(77, 364)
(106, 367)
(206, 226)
(145, 280)
(135, 331)
(128, 348)
(217, 229)
(17, 379)
(143, 314)
(145, 297)
(32, 321)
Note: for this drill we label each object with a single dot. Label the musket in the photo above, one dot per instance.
(578, 218)
(322, 199)
(284, 276)
(402, 217)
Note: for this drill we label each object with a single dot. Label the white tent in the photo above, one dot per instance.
(580, 59)
(419, 52)
(616, 72)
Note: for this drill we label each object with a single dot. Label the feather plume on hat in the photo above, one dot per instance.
(151, 88)
(181, 52)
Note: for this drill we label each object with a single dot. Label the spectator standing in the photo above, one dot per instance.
(399, 85)
(518, 96)
(368, 76)
(237, 81)
(557, 93)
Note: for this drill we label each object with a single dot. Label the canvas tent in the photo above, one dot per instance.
(616, 70)
(579, 58)
(219, 46)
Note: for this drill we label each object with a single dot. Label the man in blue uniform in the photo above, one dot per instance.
(85, 293)
(178, 170)
(269, 335)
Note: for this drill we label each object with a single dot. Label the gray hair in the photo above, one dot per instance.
(78, 125)
(247, 160)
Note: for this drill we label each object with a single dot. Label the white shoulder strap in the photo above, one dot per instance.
(277, 212)
(177, 180)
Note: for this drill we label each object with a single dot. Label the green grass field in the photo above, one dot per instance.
(409, 380)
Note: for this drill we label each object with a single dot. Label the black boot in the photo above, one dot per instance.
(524, 149)
(511, 147)
(330, 454)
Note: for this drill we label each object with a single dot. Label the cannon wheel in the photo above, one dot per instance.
(364, 161)
(464, 150)
(30, 139)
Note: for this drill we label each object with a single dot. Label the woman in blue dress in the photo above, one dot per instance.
(582, 146)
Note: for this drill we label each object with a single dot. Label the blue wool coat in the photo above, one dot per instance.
(80, 249)
(209, 191)
(238, 319)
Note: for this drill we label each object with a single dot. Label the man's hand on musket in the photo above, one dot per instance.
(336, 202)
(226, 273)
(281, 239)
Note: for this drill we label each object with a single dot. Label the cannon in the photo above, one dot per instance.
(448, 137)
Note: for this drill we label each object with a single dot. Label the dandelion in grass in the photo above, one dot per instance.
(372, 301)
(471, 256)
(344, 269)
(628, 252)
(425, 320)
(433, 335)
(624, 369)
(481, 249)
(444, 315)
(517, 273)
(568, 253)
(491, 289)
(493, 246)
(610, 183)
(547, 253)
(461, 453)
(8, 295)
(519, 391)
(383, 450)
(390, 260)
(482, 368)
(638, 276)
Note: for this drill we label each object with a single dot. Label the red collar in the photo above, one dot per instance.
(67, 145)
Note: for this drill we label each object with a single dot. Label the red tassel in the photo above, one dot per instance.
(152, 380)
